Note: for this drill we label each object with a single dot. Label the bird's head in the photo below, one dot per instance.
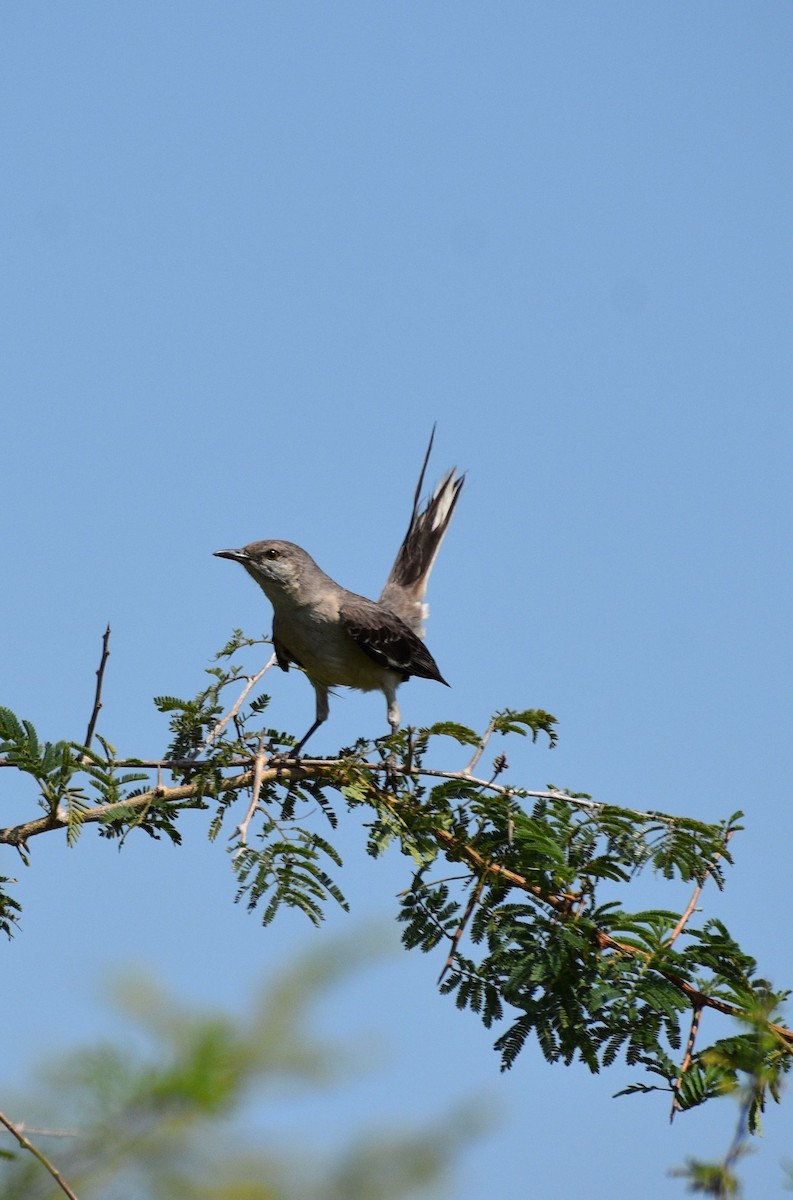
(278, 567)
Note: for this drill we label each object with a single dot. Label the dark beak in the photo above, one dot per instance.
(234, 555)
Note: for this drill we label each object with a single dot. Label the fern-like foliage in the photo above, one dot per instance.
(523, 895)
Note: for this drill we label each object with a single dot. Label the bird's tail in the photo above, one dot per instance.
(404, 592)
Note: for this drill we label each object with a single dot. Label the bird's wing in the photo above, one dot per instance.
(387, 639)
(283, 656)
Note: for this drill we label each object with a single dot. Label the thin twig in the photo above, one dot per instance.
(26, 1144)
(252, 681)
(501, 789)
(473, 900)
(741, 1130)
(44, 1132)
(411, 747)
(260, 763)
(100, 675)
(486, 736)
(678, 929)
(426, 884)
(687, 1057)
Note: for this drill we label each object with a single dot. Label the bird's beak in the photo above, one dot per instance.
(234, 555)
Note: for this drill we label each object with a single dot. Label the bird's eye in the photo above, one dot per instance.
(271, 553)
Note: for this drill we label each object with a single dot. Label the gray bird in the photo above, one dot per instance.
(340, 638)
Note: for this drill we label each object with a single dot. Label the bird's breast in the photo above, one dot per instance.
(327, 653)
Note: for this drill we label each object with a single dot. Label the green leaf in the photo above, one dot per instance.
(529, 720)
(460, 733)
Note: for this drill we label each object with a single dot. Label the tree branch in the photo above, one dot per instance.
(696, 1016)
(18, 835)
(26, 1144)
(473, 900)
(686, 916)
(486, 736)
(260, 762)
(235, 708)
(295, 770)
(561, 903)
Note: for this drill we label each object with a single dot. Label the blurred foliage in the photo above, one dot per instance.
(177, 1108)
(747, 1070)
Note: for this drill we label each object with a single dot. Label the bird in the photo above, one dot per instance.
(340, 638)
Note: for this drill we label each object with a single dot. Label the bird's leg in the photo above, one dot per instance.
(295, 753)
(394, 717)
(323, 708)
(322, 715)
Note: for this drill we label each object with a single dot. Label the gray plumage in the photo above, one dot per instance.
(340, 638)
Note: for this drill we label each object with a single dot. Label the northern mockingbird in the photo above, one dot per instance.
(340, 638)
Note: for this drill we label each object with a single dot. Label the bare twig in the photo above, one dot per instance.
(741, 1130)
(26, 1144)
(486, 736)
(260, 762)
(44, 1132)
(252, 681)
(685, 918)
(687, 1057)
(411, 747)
(473, 900)
(100, 675)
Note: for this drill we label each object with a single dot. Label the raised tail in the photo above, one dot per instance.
(406, 587)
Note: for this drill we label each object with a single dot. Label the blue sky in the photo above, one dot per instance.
(249, 254)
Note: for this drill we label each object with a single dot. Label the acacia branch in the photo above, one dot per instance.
(285, 762)
(293, 771)
(26, 1144)
(18, 835)
(561, 903)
